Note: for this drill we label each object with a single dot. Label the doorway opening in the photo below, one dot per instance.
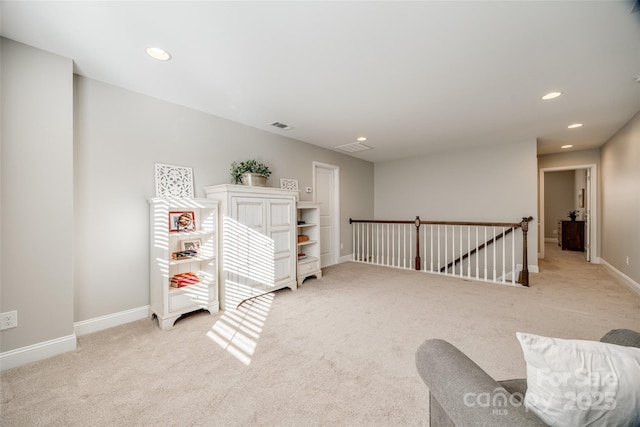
(564, 190)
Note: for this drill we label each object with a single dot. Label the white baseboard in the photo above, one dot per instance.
(33, 353)
(532, 268)
(345, 258)
(110, 320)
(632, 284)
(551, 240)
(44, 350)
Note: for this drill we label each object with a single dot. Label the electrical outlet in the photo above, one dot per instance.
(8, 320)
(627, 260)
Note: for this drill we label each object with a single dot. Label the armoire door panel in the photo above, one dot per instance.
(280, 214)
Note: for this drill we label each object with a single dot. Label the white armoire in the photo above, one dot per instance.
(257, 241)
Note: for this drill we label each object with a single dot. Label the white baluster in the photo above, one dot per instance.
(460, 251)
(439, 265)
(477, 256)
(431, 239)
(504, 259)
(469, 252)
(388, 251)
(494, 254)
(486, 253)
(513, 256)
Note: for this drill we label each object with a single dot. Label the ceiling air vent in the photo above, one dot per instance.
(353, 147)
(281, 126)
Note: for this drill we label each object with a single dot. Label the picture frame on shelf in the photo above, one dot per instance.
(182, 221)
(191, 245)
(289, 184)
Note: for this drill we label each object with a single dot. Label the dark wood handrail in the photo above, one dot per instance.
(485, 224)
(378, 221)
(524, 225)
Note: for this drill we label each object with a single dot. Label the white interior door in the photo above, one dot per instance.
(326, 191)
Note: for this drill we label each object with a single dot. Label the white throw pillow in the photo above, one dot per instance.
(581, 383)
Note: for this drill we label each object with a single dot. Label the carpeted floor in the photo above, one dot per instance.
(338, 351)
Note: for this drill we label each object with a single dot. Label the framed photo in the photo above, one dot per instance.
(191, 245)
(581, 198)
(182, 221)
(289, 184)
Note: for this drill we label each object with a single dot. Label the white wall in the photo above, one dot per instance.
(120, 135)
(621, 199)
(37, 195)
(489, 183)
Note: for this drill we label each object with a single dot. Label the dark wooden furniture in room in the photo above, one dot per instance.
(573, 235)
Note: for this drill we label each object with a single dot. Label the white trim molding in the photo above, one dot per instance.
(110, 320)
(631, 284)
(33, 353)
(345, 258)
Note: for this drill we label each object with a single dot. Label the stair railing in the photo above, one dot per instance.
(483, 251)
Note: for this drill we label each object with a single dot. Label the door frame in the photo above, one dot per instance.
(335, 215)
(592, 214)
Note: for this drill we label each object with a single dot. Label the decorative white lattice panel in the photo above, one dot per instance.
(174, 181)
(289, 184)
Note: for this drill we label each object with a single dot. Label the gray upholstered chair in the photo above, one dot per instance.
(452, 378)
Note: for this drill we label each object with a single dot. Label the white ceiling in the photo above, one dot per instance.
(413, 77)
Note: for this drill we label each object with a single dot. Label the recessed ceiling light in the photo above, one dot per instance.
(362, 138)
(551, 95)
(159, 54)
(567, 146)
(575, 125)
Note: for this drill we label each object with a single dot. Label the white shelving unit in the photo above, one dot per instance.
(308, 214)
(168, 303)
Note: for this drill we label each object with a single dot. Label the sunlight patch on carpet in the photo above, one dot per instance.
(238, 331)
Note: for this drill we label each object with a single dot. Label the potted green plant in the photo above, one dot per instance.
(573, 215)
(250, 172)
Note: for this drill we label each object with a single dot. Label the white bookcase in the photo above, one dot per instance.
(167, 302)
(308, 214)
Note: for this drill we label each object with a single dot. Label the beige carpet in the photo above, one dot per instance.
(338, 351)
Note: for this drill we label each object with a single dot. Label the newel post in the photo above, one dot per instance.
(524, 279)
(417, 223)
